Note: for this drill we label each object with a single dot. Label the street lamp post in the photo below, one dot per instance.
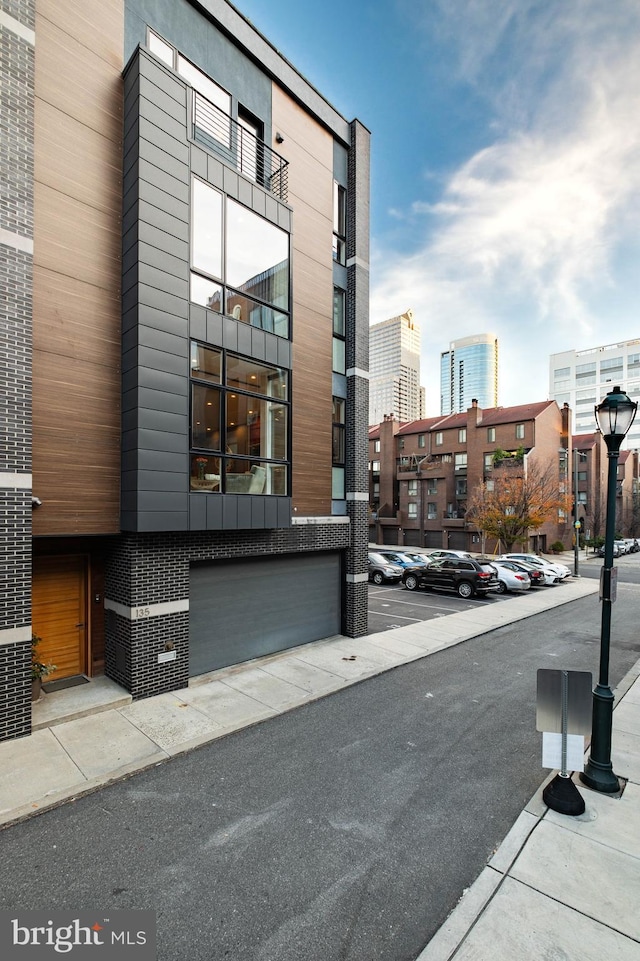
(614, 417)
(576, 522)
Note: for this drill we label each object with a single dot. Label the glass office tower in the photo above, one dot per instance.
(469, 371)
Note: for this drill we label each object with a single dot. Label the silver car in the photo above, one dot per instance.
(510, 578)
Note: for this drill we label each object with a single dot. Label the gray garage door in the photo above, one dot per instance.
(244, 609)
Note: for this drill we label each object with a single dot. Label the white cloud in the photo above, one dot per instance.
(526, 235)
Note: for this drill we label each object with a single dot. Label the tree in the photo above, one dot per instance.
(518, 498)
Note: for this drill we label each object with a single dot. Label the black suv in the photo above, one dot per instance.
(465, 575)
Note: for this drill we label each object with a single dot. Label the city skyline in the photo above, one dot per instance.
(506, 191)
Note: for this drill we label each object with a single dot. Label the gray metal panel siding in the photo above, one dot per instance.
(159, 321)
(155, 292)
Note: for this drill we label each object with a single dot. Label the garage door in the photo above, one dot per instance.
(239, 610)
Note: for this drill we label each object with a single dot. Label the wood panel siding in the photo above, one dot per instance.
(309, 150)
(77, 266)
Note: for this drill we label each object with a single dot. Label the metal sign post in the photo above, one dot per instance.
(564, 717)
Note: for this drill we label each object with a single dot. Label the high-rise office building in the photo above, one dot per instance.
(581, 378)
(394, 359)
(469, 371)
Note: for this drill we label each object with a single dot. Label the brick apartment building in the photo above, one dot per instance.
(421, 473)
(588, 469)
(185, 246)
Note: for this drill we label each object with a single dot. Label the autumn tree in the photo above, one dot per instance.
(519, 497)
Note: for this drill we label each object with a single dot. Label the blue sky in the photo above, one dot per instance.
(505, 189)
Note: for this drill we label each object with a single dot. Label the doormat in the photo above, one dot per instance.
(64, 683)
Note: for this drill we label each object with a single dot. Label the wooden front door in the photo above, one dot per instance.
(59, 614)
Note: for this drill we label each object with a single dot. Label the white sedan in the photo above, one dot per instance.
(561, 570)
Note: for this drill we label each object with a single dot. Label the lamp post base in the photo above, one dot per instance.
(600, 777)
(563, 796)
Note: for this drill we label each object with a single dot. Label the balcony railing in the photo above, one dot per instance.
(217, 131)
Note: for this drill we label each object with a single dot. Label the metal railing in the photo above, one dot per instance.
(216, 130)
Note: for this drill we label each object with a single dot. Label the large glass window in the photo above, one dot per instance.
(240, 411)
(257, 256)
(232, 247)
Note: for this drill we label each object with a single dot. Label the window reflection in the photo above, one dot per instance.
(206, 363)
(206, 241)
(257, 315)
(257, 256)
(206, 292)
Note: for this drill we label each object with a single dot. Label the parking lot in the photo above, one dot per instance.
(390, 605)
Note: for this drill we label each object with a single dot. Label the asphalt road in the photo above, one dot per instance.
(345, 830)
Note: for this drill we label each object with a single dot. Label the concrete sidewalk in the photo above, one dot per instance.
(561, 887)
(570, 882)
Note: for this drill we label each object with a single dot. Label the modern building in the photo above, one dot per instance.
(394, 357)
(422, 473)
(468, 371)
(185, 243)
(582, 378)
(588, 467)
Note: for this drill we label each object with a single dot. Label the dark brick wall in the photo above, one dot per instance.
(16, 284)
(146, 569)
(357, 351)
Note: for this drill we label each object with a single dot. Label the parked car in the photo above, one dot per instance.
(418, 558)
(616, 550)
(561, 570)
(381, 571)
(440, 555)
(539, 576)
(399, 558)
(512, 577)
(465, 575)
